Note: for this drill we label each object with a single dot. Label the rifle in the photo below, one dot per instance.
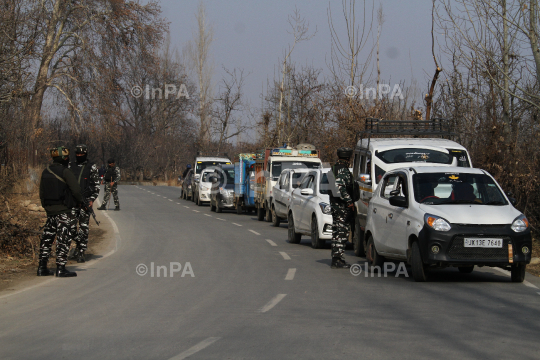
(88, 207)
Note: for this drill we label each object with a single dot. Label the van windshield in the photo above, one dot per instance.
(456, 188)
(414, 155)
(201, 165)
(279, 166)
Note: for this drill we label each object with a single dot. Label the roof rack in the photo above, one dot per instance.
(433, 127)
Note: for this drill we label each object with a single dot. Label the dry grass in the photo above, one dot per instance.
(535, 269)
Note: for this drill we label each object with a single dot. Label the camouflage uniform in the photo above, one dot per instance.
(341, 212)
(114, 189)
(82, 215)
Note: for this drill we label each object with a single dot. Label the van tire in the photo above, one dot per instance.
(417, 265)
(316, 241)
(466, 269)
(260, 214)
(219, 209)
(239, 209)
(518, 273)
(359, 249)
(294, 237)
(372, 255)
(275, 219)
(212, 207)
(268, 214)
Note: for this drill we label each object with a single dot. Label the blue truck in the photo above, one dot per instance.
(244, 183)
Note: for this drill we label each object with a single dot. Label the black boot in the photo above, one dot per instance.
(80, 256)
(42, 269)
(74, 255)
(117, 208)
(334, 264)
(61, 271)
(338, 263)
(102, 207)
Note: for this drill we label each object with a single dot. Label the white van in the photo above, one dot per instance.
(373, 157)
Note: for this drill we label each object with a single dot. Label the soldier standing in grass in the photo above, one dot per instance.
(341, 202)
(111, 179)
(59, 193)
(87, 175)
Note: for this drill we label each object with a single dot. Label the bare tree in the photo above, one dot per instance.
(198, 52)
(429, 96)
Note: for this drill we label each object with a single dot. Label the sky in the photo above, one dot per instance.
(252, 35)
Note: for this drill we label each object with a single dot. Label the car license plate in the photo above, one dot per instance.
(483, 243)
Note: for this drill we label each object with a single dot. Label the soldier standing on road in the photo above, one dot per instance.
(111, 179)
(87, 175)
(59, 193)
(342, 206)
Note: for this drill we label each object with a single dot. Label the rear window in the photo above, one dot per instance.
(410, 155)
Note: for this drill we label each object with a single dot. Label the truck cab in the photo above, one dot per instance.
(269, 165)
(244, 182)
(377, 153)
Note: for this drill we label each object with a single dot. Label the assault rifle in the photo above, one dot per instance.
(88, 207)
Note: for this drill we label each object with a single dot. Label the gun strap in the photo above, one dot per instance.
(55, 175)
(80, 174)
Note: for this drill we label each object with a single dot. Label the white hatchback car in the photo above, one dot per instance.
(204, 185)
(439, 217)
(289, 180)
(310, 212)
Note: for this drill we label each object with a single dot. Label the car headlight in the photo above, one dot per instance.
(520, 224)
(222, 191)
(436, 223)
(325, 208)
(204, 188)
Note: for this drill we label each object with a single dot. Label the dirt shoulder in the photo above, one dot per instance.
(17, 274)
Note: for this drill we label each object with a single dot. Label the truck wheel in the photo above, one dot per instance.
(275, 219)
(417, 265)
(268, 214)
(239, 209)
(518, 273)
(466, 269)
(294, 237)
(316, 241)
(260, 214)
(219, 209)
(359, 249)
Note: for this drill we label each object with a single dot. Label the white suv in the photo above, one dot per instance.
(446, 216)
(289, 180)
(310, 212)
(203, 187)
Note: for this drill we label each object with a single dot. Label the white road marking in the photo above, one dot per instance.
(253, 231)
(178, 203)
(525, 282)
(187, 207)
(169, 199)
(271, 242)
(285, 256)
(272, 303)
(207, 215)
(290, 274)
(196, 211)
(221, 219)
(236, 224)
(192, 350)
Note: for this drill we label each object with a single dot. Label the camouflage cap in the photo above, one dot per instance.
(60, 151)
(344, 153)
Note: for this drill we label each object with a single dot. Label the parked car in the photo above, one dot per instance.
(187, 189)
(203, 187)
(222, 191)
(440, 217)
(289, 180)
(310, 212)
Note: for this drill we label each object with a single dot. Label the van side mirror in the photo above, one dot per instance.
(306, 192)
(399, 201)
(365, 178)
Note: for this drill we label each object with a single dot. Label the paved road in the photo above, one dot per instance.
(248, 294)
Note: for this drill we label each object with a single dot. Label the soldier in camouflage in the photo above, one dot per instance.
(342, 206)
(59, 193)
(111, 179)
(87, 175)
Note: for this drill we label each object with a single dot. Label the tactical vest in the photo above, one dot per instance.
(82, 174)
(53, 188)
(349, 187)
(110, 174)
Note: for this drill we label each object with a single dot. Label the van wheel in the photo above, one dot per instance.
(275, 220)
(268, 214)
(518, 273)
(219, 209)
(239, 209)
(316, 241)
(212, 207)
(260, 214)
(372, 255)
(359, 249)
(417, 265)
(294, 237)
(466, 269)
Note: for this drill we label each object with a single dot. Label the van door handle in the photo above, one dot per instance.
(390, 215)
(375, 210)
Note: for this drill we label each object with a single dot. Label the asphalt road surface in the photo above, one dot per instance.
(239, 290)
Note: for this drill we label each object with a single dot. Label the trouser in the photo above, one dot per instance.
(341, 227)
(63, 227)
(108, 191)
(82, 216)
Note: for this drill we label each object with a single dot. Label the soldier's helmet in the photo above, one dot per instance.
(81, 149)
(60, 152)
(344, 153)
